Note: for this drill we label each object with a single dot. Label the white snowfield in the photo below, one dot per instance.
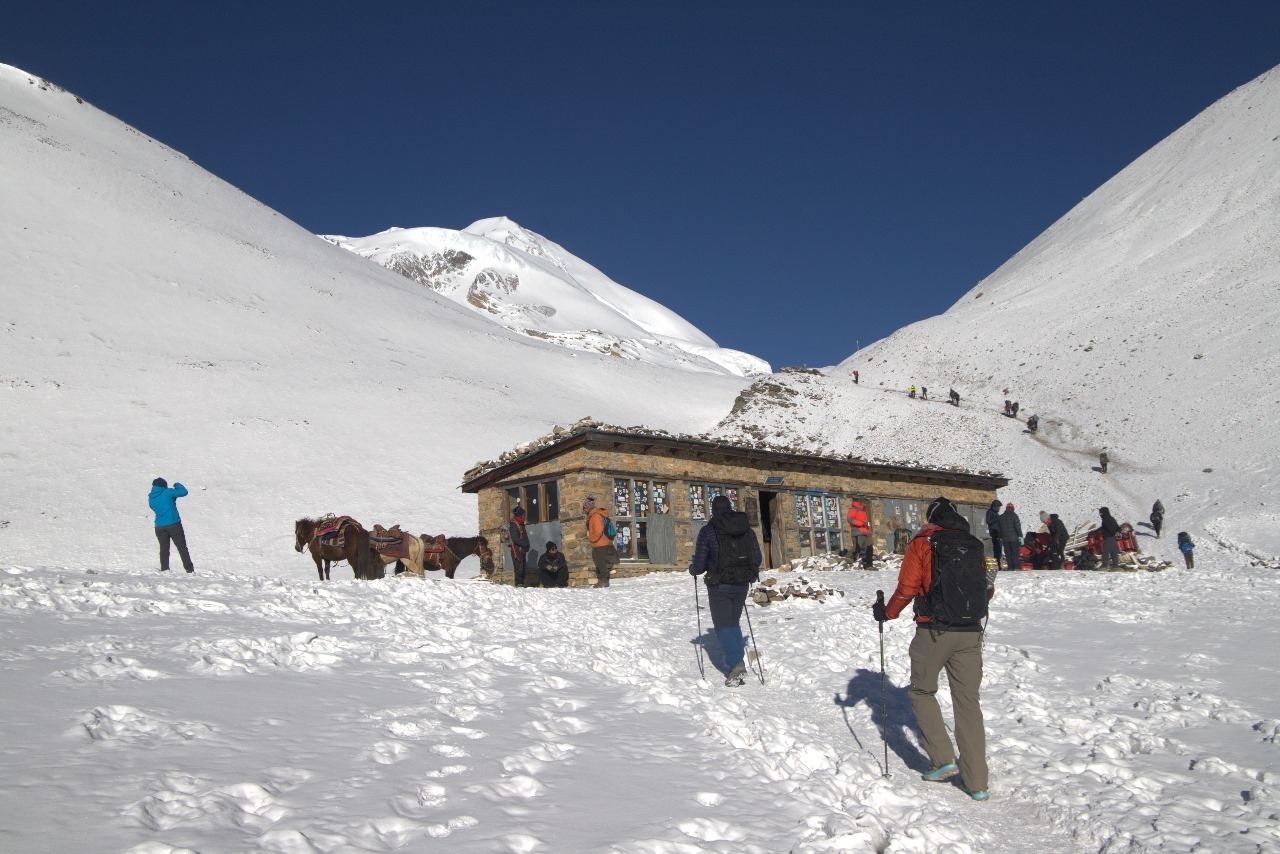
(160, 323)
(532, 285)
(239, 712)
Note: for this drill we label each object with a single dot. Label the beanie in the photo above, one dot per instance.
(518, 512)
(550, 545)
(1008, 507)
(938, 506)
(160, 482)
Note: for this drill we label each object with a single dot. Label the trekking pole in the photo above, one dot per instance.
(884, 705)
(697, 609)
(752, 632)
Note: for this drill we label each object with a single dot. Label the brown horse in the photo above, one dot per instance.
(456, 550)
(355, 549)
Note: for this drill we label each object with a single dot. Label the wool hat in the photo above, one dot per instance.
(939, 505)
(518, 512)
(1008, 507)
(721, 504)
(160, 482)
(551, 545)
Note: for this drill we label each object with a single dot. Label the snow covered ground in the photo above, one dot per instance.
(159, 322)
(252, 712)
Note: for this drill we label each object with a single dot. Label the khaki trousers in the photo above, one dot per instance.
(960, 653)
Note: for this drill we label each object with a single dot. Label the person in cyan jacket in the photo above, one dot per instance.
(728, 553)
(164, 503)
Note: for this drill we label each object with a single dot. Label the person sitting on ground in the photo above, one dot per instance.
(552, 568)
(911, 392)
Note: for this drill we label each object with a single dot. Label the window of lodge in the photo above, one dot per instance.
(818, 523)
(635, 502)
(702, 494)
(541, 501)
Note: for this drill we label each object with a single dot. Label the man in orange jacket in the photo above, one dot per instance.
(956, 647)
(604, 553)
(860, 531)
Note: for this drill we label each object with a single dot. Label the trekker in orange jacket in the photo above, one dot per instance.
(604, 554)
(957, 648)
(860, 532)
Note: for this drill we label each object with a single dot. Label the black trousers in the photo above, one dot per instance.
(173, 533)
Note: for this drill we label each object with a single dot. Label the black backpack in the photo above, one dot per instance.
(735, 558)
(957, 596)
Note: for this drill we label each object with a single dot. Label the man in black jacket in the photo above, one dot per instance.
(1057, 541)
(553, 571)
(729, 553)
(1011, 532)
(993, 530)
(1110, 551)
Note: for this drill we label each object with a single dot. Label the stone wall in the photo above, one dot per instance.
(589, 470)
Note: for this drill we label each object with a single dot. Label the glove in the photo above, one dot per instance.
(694, 572)
(877, 611)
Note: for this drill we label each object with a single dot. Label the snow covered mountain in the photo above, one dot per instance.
(159, 322)
(536, 287)
(1144, 322)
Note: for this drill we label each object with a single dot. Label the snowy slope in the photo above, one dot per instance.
(534, 286)
(158, 322)
(1142, 322)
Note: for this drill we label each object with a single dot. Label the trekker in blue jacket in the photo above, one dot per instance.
(164, 502)
(729, 553)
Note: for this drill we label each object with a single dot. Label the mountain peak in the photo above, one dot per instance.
(527, 283)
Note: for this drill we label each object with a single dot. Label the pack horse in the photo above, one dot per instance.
(332, 539)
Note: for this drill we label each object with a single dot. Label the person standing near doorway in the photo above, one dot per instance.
(604, 552)
(164, 503)
(518, 540)
(860, 532)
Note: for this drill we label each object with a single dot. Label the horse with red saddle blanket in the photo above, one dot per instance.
(331, 539)
(427, 552)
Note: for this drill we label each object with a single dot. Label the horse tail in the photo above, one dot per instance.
(364, 556)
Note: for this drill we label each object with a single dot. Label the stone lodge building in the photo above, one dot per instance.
(657, 488)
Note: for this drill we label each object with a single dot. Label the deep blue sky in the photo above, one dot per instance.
(794, 178)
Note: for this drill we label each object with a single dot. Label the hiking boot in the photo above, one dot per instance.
(979, 795)
(737, 676)
(941, 772)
